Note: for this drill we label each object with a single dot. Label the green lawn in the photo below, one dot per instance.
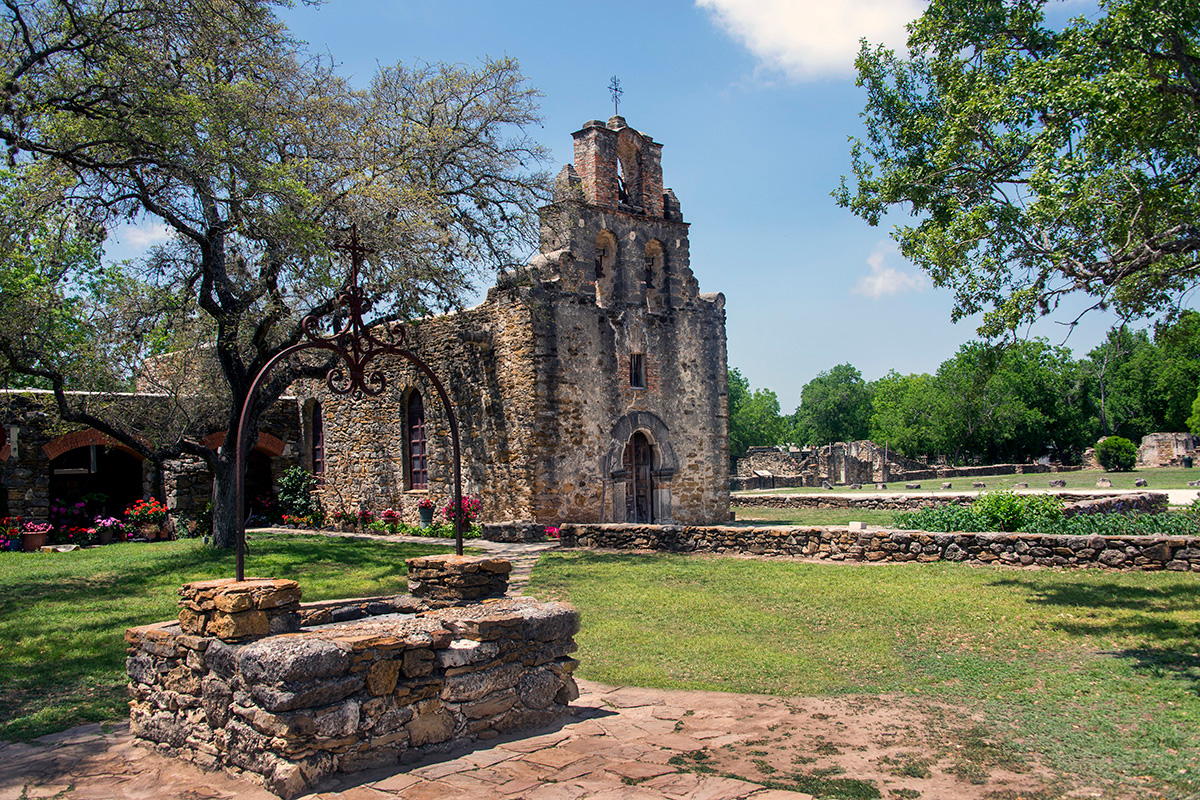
(1158, 478)
(63, 616)
(1096, 671)
(764, 515)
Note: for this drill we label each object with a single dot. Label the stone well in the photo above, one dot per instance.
(250, 680)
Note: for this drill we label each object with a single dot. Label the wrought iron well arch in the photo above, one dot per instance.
(357, 347)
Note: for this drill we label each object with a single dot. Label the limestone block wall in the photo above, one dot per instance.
(293, 709)
(1174, 553)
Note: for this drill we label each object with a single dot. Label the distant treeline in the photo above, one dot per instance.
(994, 403)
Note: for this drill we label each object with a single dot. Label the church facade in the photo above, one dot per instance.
(589, 386)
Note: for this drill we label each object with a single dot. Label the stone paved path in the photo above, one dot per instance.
(616, 746)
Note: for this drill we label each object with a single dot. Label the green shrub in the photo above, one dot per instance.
(296, 497)
(1116, 454)
(1008, 512)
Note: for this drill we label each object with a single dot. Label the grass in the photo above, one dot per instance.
(63, 616)
(1098, 672)
(764, 515)
(1157, 477)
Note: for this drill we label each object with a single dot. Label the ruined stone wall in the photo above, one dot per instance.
(293, 709)
(1175, 553)
(864, 461)
(1166, 449)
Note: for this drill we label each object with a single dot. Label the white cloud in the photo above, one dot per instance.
(809, 39)
(145, 235)
(885, 280)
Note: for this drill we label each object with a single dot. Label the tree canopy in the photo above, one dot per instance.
(1037, 162)
(207, 119)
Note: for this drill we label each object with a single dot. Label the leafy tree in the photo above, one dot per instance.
(1116, 454)
(754, 419)
(905, 414)
(1037, 162)
(1122, 368)
(1012, 403)
(207, 118)
(1145, 384)
(1194, 420)
(835, 406)
(1176, 369)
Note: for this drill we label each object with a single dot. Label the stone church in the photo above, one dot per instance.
(588, 386)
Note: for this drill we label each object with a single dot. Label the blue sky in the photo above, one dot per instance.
(753, 101)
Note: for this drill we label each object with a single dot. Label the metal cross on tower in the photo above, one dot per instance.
(614, 88)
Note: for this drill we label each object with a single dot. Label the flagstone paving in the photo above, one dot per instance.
(616, 746)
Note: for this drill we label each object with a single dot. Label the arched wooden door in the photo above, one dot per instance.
(638, 490)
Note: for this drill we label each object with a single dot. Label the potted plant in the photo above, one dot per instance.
(425, 509)
(10, 533)
(34, 535)
(347, 521)
(109, 529)
(149, 517)
(391, 518)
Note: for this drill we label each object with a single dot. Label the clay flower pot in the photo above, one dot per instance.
(32, 541)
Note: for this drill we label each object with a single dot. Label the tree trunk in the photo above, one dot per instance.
(224, 500)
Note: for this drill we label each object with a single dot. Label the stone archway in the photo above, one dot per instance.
(640, 441)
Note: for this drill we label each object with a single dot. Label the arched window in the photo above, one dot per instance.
(418, 444)
(637, 460)
(317, 434)
(605, 267)
(655, 276)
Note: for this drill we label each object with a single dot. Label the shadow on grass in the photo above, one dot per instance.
(1164, 663)
(1151, 615)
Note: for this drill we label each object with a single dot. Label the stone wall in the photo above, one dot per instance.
(345, 697)
(1090, 502)
(1175, 553)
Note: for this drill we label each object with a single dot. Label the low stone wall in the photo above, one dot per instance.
(1175, 553)
(521, 532)
(409, 675)
(1144, 502)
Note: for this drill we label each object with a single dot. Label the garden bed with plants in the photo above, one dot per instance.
(298, 506)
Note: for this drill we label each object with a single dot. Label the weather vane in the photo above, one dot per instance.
(614, 88)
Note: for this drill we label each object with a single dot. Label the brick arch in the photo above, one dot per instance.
(88, 436)
(268, 444)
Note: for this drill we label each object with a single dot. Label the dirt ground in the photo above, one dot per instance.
(852, 747)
